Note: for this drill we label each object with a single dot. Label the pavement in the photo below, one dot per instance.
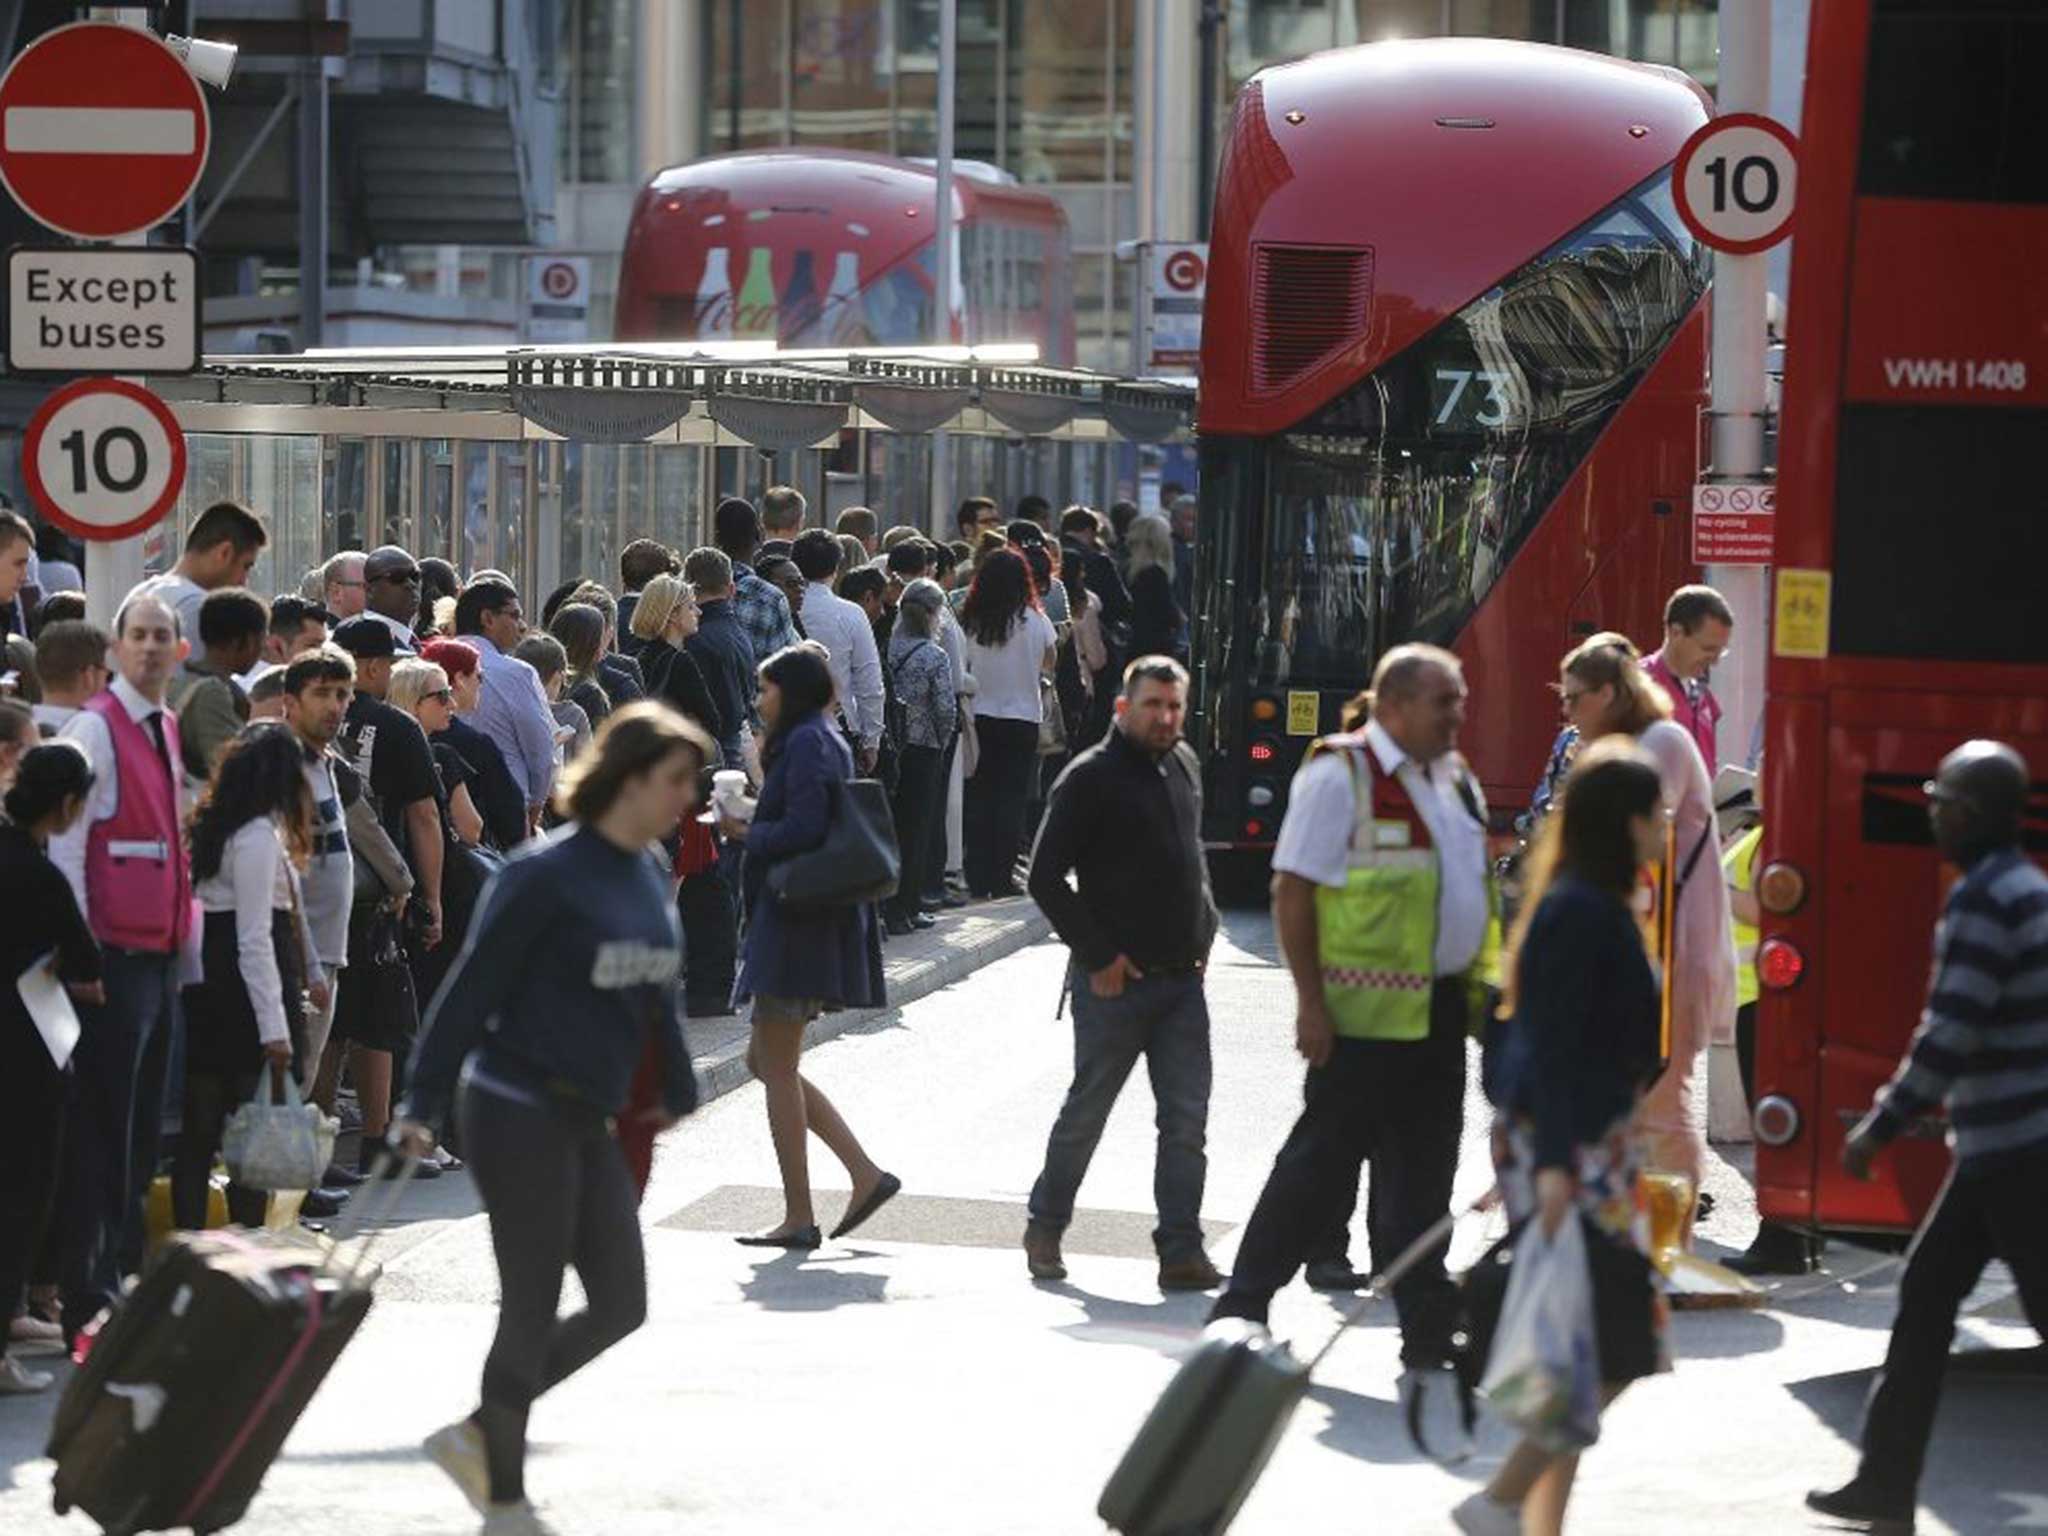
(914, 1380)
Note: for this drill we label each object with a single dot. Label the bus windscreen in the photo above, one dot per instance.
(1391, 511)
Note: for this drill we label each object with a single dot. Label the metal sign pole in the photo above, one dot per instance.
(942, 253)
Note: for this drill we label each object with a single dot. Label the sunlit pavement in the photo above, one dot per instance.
(914, 1380)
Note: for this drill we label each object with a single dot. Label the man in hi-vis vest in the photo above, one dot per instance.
(1384, 911)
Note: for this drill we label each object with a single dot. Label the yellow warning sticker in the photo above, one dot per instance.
(1799, 627)
(1303, 709)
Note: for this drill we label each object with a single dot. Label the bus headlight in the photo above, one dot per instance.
(1265, 710)
(1781, 889)
(1260, 795)
(1779, 964)
(1775, 1120)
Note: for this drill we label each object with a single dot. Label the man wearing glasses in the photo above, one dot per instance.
(1981, 1052)
(343, 582)
(391, 593)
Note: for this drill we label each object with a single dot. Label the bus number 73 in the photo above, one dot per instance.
(1493, 412)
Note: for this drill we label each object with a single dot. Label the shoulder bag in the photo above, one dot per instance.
(857, 863)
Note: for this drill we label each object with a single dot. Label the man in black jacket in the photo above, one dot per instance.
(1125, 821)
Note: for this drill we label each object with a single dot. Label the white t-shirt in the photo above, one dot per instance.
(183, 594)
(1315, 839)
(1006, 675)
(328, 886)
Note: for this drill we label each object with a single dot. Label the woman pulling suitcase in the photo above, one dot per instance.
(569, 968)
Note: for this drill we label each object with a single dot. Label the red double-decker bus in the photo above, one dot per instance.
(834, 248)
(1912, 548)
(1453, 359)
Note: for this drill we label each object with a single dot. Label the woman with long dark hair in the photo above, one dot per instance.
(1011, 645)
(252, 834)
(44, 925)
(569, 971)
(794, 965)
(581, 629)
(1580, 1045)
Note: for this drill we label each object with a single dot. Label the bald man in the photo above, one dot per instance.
(1981, 1052)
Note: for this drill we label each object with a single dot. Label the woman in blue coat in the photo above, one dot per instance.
(795, 965)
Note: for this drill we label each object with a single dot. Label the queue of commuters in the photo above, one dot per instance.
(328, 785)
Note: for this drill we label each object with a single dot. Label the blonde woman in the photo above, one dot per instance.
(422, 690)
(1158, 627)
(1606, 693)
(664, 618)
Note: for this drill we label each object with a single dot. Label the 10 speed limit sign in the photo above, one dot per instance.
(1735, 181)
(104, 459)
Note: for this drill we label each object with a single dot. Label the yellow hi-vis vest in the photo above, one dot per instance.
(1739, 866)
(1376, 936)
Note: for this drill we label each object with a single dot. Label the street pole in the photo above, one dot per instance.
(1158, 219)
(313, 206)
(942, 250)
(1738, 396)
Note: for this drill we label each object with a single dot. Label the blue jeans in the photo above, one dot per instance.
(116, 1128)
(1165, 1019)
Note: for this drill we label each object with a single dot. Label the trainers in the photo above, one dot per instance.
(1484, 1515)
(17, 1379)
(517, 1519)
(1858, 1504)
(458, 1450)
(1042, 1253)
(32, 1335)
(1195, 1274)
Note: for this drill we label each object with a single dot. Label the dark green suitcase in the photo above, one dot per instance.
(1205, 1442)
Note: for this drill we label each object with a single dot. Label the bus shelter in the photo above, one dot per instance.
(544, 462)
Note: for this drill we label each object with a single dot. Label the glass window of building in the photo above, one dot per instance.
(842, 73)
(747, 77)
(596, 61)
(1057, 89)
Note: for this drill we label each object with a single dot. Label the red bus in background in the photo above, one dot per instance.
(1912, 550)
(1453, 359)
(834, 248)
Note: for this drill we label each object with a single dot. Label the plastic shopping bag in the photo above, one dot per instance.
(283, 1145)
(1543, 1375)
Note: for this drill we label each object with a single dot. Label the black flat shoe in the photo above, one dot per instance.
(802, 1237)
(1857, 1505)
(878, 1197)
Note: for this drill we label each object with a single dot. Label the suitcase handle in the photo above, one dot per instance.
(1385, 1279)
(357, 1216)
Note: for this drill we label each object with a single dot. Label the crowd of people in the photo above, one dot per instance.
(273, 822)
(284, 842)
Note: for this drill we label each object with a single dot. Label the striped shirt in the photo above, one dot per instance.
(1982, 1044)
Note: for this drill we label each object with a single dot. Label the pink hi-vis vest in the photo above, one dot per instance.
(138, 885)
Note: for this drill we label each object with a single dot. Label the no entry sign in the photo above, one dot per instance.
(103, 131)
(104, 459)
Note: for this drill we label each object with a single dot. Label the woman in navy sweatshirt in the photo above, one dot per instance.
(1583, 1040)
(569, 968)
(797, 964)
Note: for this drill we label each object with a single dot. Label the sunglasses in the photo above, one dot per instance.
(445, 695)
(402, 578)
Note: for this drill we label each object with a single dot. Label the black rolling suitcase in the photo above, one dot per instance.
(1207, 1439)
(198, 1376)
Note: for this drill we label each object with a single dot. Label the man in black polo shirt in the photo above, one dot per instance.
(1124, 820)
(388, 749)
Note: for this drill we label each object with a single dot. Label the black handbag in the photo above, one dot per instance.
(857, 863)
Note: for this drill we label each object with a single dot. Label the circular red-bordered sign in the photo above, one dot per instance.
(559, 280)
(103, 130)
(1736, 181)
(1184, 270)
(104, 459)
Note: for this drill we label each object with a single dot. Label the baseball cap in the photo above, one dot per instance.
(366, 637)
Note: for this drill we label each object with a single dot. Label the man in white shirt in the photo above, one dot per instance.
(849, 640)
(133, 885)
(219, 552)
(511, 708)
(344, 584)
(71, 660)
(1385, 1047)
